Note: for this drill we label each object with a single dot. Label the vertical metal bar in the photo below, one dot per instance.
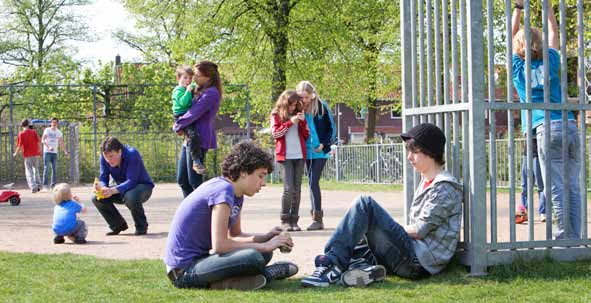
(564, 94)
(465, 119)
(422, 64)
(492, 125)
(428, 10)
(336, 163)
(547, 176)
(456, 125)
(437, 76)
(408, 86)
(446, 125)
(528, 98)
(379, 163)
(416, 102)
(582, 122)
(94, 128)
(11, 132)
(510, 122)
(476, 137)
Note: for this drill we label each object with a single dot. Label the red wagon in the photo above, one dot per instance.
(10, 196)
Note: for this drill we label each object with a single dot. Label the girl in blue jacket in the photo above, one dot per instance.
(322, 134)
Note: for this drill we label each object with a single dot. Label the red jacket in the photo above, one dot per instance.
(28, 140)
(279, 130)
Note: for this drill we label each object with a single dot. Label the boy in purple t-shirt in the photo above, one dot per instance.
(209, 219)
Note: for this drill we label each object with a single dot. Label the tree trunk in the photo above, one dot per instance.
(280, 45)
(279, 65)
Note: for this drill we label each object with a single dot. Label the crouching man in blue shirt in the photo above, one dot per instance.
(134, 186)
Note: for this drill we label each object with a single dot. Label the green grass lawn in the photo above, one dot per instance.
(74, 278)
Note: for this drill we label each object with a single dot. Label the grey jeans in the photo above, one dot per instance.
(293, 170)
(32, 172)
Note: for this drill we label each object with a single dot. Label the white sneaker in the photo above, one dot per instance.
(542, 217)
(361, 277)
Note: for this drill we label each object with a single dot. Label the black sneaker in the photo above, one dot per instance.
(59, 240)
(80, 241)
(241, 283)
(117, 230)
(325, 273)
(280, 270)
(362, 276)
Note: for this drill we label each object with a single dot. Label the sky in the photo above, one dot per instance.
(104, 17)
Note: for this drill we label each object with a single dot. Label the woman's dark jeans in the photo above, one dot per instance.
(204, 271)
(314, 169)
(186, 177)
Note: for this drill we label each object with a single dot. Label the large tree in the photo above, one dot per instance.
(34, 31)
(347, 48)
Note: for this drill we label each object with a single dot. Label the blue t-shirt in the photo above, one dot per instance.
(537, 87)
(64, 217)
(190, 230)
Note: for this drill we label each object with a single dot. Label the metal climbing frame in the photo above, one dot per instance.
(464, 59)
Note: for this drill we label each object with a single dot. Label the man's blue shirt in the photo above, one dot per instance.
(128, 174)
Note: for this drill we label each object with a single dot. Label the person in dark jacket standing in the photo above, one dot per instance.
(322, 134)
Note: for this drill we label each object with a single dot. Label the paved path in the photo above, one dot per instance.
(27, 227)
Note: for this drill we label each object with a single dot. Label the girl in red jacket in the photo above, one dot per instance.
(290, 132)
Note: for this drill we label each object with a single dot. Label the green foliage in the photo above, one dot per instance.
(346, 48)
(34, 34)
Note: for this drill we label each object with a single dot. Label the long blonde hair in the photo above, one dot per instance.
(306, 86)
(536, 43)
(287, 98)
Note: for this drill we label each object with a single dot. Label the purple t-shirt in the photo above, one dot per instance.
(190, 230)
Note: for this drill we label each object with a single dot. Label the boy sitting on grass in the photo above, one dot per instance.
(418, 250)
(210, 219)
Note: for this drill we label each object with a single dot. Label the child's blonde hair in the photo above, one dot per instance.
(184, 69)
(287, 98)
(536, 43)
(61, 193)
(311, 90)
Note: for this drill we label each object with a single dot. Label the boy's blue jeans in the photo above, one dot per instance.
(213, 268)
(388, 240)
(537, 175)
(49, 159)
(573, 166)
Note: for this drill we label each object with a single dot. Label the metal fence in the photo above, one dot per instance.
(448, 81)
(368, 164)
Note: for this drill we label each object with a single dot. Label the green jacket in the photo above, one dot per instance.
(181, 100)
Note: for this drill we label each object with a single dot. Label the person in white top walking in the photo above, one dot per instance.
(51, 139)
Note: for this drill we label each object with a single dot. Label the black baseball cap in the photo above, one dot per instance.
(428, 136)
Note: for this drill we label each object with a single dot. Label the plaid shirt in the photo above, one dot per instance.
(436, 214)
